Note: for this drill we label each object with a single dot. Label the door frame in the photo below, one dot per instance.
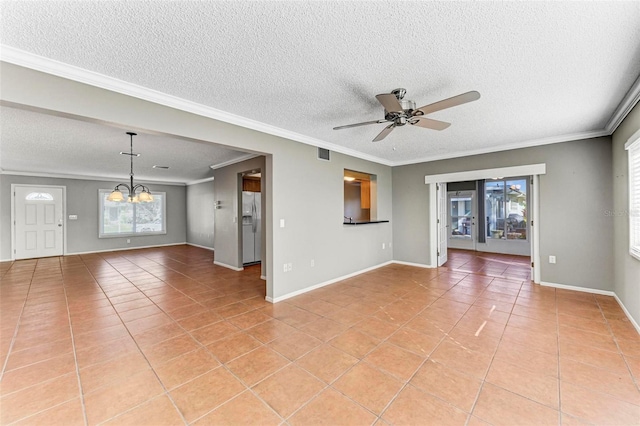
(534, 170)
(13, 214)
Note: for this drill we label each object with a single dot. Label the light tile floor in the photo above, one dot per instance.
(163, 336)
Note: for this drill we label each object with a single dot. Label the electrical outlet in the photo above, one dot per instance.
(389, 245)
(552, 259)
(383, 246)
(289, 267)
(128, 241)
(313, 263)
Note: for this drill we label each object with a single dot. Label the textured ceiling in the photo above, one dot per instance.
(545, 70)
(34, 142)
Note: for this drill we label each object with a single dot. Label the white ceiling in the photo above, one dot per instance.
(547, 71)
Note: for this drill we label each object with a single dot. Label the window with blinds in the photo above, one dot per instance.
(633, 146)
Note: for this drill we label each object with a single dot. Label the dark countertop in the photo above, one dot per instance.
(365, 222)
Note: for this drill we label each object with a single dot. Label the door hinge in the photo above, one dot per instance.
(438, 220)
(532, 223)
(532, 264)
(438, 254)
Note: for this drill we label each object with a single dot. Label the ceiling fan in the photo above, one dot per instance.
(400, 111)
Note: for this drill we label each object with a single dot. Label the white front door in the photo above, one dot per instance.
(38, 221)
(443, 222)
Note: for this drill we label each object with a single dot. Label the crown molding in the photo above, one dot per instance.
(233, 161)
(71, 72)
(624, 107)
(85, 177)
(526, 144)
(60, 69)
(195, 182)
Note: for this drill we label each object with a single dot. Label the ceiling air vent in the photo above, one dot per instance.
(324, 154)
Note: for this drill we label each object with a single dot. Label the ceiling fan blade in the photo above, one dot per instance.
(383, 134)
(448, 103)
(429, 123)
(359, 124)
(389, 102)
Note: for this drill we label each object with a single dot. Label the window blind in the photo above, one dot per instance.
(633, 146)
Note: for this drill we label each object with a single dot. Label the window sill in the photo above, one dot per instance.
(137, 234)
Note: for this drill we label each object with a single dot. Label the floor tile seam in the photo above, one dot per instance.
(221, 364)
(600, 392)
(164, 392)
(75, 355)
(149, 364)
(483, 381)
(17, 326)
(43, 410)
(408, 381)
(154, 275)
(308, 401)
(634, 379)
(234, 397)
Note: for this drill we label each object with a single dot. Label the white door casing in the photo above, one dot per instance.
(443, 222)
(465, 241)
(38, 221)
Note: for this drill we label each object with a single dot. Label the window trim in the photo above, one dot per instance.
(101, 234)
(633, 212)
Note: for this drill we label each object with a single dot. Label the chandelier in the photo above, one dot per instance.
(145, 194)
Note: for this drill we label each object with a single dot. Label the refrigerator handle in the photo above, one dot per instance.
(253, 217)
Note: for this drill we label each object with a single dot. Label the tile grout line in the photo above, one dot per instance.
(166, 392)
(484, 379)
(202, 346)
(560, 414)
(73, 345)
(18, 322)
(615, 339)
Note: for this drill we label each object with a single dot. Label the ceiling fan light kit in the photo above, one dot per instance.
(145, 193)
(399, 111)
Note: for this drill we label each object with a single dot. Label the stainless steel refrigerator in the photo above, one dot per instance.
(251, 227)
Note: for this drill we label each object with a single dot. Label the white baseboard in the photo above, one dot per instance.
(202, 247)
(224, 265)
(263, 277)
(76, 253)
(626, 312)
(325, 283)
(417, 265)
(576, 288)
(596, 291)
(124, 248)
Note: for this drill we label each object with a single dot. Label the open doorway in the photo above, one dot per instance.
(252, 217)
(496, 218)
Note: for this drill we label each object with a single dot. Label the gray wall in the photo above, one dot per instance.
(626, 267)
(200, 214)
(574, 193)
(82, 200)
(304, 191)
(228, 226)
